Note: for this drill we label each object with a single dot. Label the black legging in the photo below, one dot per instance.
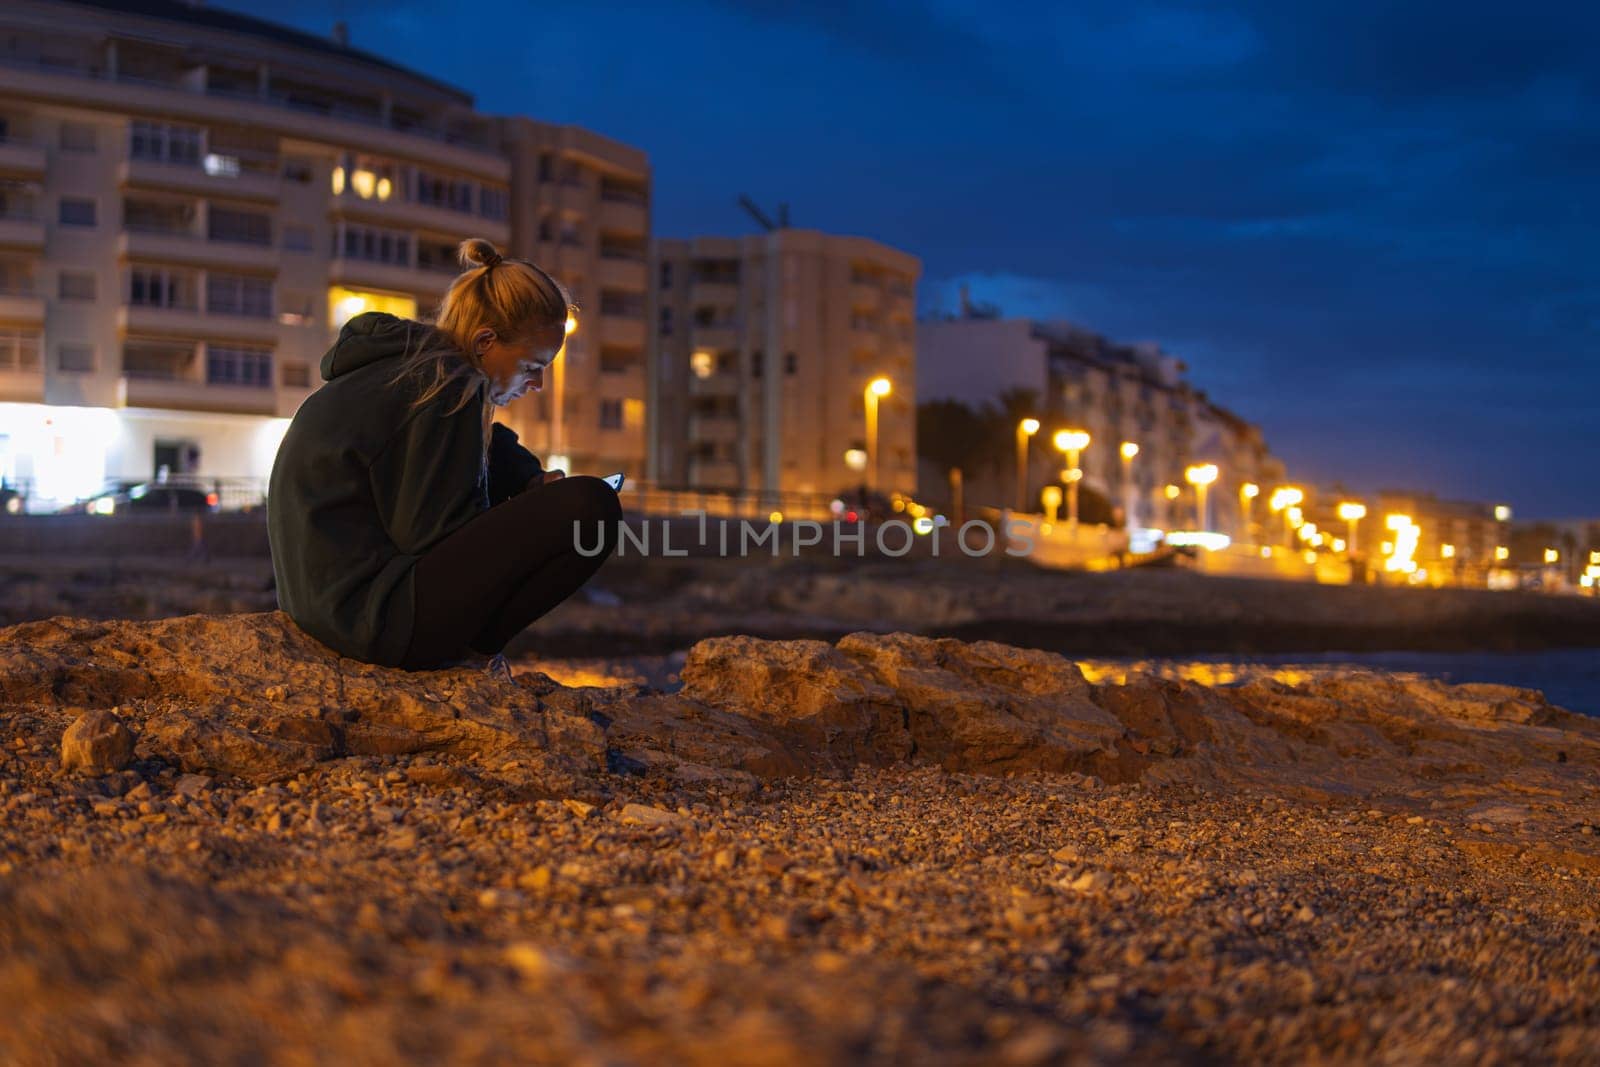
(479, 587)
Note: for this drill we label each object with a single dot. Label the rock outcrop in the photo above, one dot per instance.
(252, 697)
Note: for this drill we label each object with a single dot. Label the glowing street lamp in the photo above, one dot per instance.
(1352, 512)
(876, 390)
(1502, 513)
(1247, 507)
(1072, 442)
(1025, 429)
(1284, 498)
(1129, 498)
(1200, 475)
(1552, 556)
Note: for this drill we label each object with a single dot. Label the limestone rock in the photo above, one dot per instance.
(96, 743)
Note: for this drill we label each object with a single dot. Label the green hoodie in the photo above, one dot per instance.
(364, 483)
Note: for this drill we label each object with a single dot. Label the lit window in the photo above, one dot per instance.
(345, 304)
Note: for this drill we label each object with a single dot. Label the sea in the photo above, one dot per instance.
(1569, 678)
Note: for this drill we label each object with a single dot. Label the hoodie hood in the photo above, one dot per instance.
(368, 338)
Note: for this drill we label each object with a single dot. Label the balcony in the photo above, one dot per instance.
(619, 273)
(194, 323)
(622, 332)
(624, 216)
(718, 428)
(21, 309)
(172, 177)
(394, 277)
(409, 214)
(25, 385)
(21, 232)
(722, 334)
(713, 473)
(18, 159)
(864, 296)
(186, 103)
(720, 383)
(196, 250)
(188, 394)
(720, 294)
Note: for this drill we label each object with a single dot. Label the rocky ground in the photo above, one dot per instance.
(884, 848)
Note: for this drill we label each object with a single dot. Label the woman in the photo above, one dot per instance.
(407, 527)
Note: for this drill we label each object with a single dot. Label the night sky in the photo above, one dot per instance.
(1370, 226)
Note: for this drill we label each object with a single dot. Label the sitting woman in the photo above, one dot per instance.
(408, 528)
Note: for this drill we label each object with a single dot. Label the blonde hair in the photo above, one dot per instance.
(512, 297)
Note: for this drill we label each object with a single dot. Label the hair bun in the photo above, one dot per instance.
(476, 252)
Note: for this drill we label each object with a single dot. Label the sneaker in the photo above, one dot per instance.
(500, 663)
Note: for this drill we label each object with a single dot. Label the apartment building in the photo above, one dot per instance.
(763, 348)
(192, 202)
(582, 212)
(1117, 393)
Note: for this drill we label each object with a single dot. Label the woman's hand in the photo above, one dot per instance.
(551, 476)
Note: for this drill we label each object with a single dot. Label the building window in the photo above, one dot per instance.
(375, 245)
(238, 365)
(159, 287)
(298, 170)
(75, 359)
(158, 360)
(77, 137)
(16, 277)
(239, 227)
(76, 212)
(296, 374)
(622, 304)
(18, 200)
(158, 216)
(297, 238)
(611, 414)
(494, 203)
(436, 190)
(619, 360)
(19, 350)
(791, 363)
(664, 327)
(234, 294)
(433, 254)
(546, 167)
(755, 363)
(162, 142)
(76, 285)
(571, 233)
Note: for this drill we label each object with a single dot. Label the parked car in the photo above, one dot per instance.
(148, 497)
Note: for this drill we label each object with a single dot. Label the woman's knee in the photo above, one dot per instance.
(595, 512)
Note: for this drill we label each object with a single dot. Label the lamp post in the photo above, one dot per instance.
(1247, 509)
(1072, 442)
(1352, 512)
(1025, 429)
(876, 389)
(1129, 450)
(1285, 499)
(1200, 475)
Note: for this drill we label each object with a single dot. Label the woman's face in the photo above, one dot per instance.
(515, 367)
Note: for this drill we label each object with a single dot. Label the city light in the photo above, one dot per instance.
(1351, 511)
(1249, 490)
(1295, 517)
(1172, 492)
(1447, 551)
(572, 323)
(1285, 497)
(1502, 513)
(1406, 536)
(1552, 556)
(855, 459)
(877, 389)
(702, 363)
(1071, 440)
(880, 386)
(1501, 552)
(1029, 426)
(1129, 450)
(1025, 431)
(1202, 474)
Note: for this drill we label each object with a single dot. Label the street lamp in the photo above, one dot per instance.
(1129, 450)
(1200, 475)
(876, 389)
(1247, 507)
(1072, 442)
(1284, 498)
(1352, 512)
(1025, 429)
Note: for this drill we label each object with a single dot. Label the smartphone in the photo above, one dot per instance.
(614, 481)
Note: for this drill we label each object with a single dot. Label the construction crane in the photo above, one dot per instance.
(761, 217)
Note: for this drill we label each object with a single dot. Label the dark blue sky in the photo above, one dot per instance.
(1370, 226)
